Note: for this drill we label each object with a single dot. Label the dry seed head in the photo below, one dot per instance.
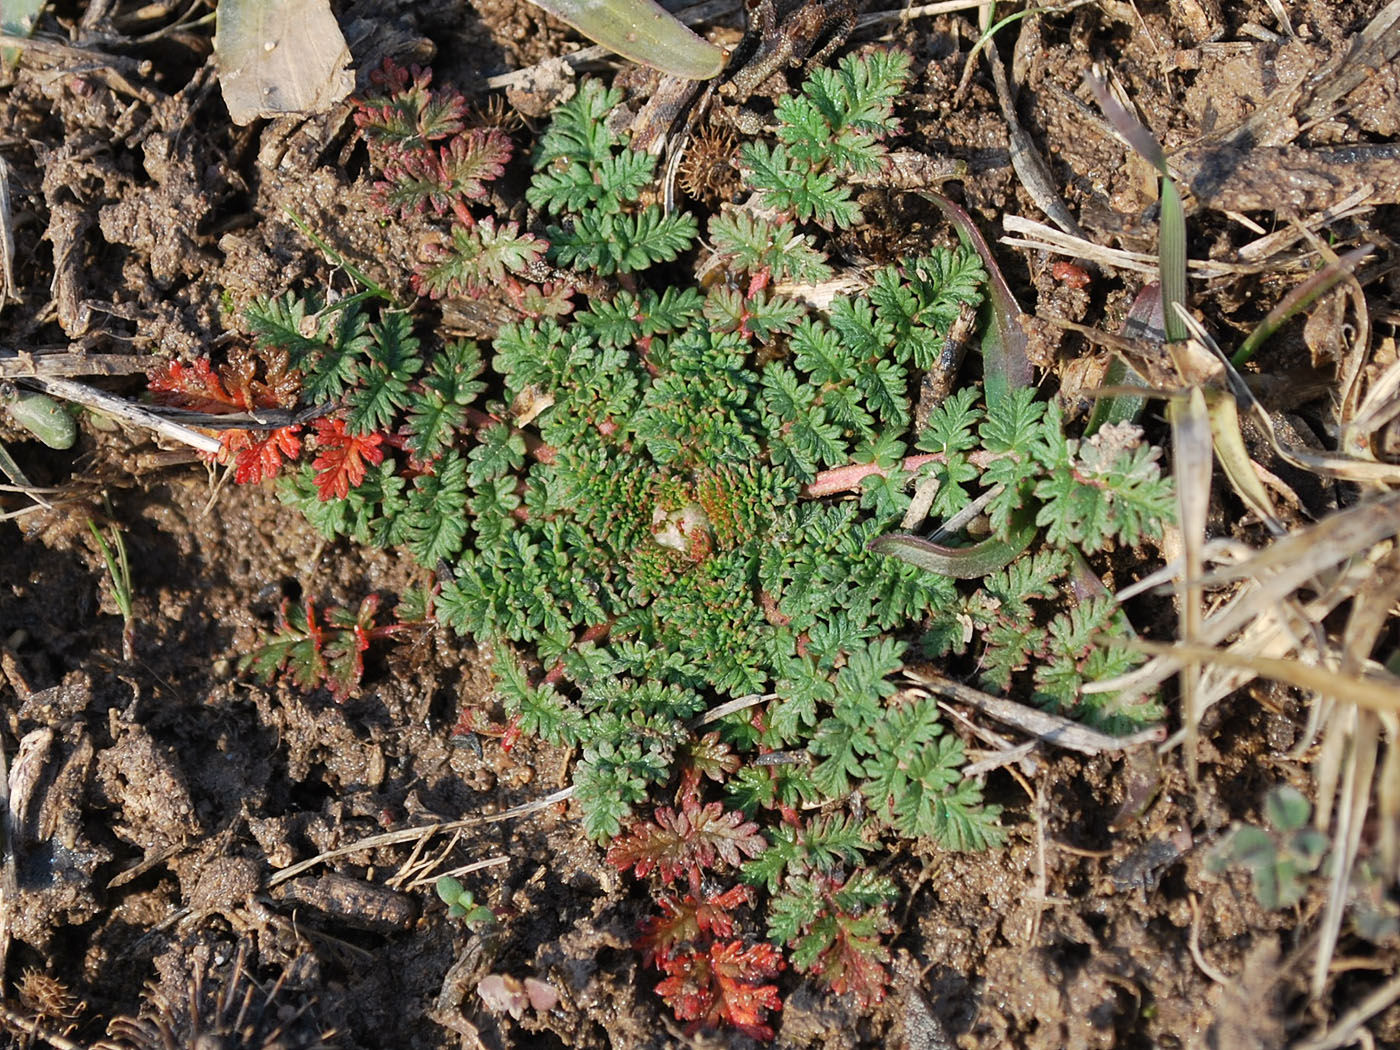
(47, 997)
(708, 173)
(232, 1012)
(496, 112)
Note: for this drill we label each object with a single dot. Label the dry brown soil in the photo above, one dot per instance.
(167, 791)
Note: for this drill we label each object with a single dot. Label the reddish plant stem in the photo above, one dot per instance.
(848, 478)
(595, 633)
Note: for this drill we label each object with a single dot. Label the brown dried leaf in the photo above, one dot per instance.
(280, 56)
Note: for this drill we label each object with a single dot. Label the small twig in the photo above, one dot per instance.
(410, 867)
(125, 411)
(997, 759)
(836, 480)
(30, 1026)
(7, 240)
(1041, 237)
(1041, 894)
(393, 838)
(908, 14)
(25, 364)
(255, 419)
(1285, 237)
(76, 61)
(413, 872)
(465, 869)
(959, 521)
(1349, 1024)
(9, 889)
(1040, 724)
(1193, 942)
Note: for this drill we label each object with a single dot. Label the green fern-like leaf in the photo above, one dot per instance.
(578, 131)
(437, 522)
(393, 363)
(824, 845)
(842, 113)
(788, 185)
(289, 322)
(752, 244)
(476, 259)
(611, 242)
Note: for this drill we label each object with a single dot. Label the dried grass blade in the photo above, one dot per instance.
(1373, 692)
(1045, 238)
(1370, 616)
(1344, 1030)
(1234, 460)
(1288, 563)
(1191, 444)
(1053, 729)
(1346, 841)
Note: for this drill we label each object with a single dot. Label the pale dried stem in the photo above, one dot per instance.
(393, 838)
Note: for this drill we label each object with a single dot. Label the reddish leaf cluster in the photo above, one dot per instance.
(341, 457)
(444, 178)
(404, 112)
(707, 756)
(719, 985)
(258, 455)
(842, 941)
(690, 918)
(851, 961)
(327, 652)
(686, 842)
(426, 157)
(239, 386)
(428, 161)
(711, 979)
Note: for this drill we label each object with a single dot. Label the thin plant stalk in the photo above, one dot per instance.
(119, 570)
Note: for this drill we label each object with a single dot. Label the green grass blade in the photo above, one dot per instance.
(1006, 363)
(1300, 298)
(643, 31)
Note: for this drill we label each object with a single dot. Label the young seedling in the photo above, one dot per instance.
(119, 573)
(647, 513)
(461, 904)
(1280, 858)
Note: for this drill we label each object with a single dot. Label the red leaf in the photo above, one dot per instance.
(718, 986)
(706, 757)
(258, 456)
(195, 386)
(688, 988)
(687, 842)
(689, 918)
(341, 457)
(852, 962)
(742, 1003)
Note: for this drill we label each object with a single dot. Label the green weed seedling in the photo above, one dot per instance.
(658, 505)
(119, 573)
(461, 904)
(1280, 858)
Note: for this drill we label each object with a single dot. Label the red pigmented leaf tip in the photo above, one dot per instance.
(342, 457)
